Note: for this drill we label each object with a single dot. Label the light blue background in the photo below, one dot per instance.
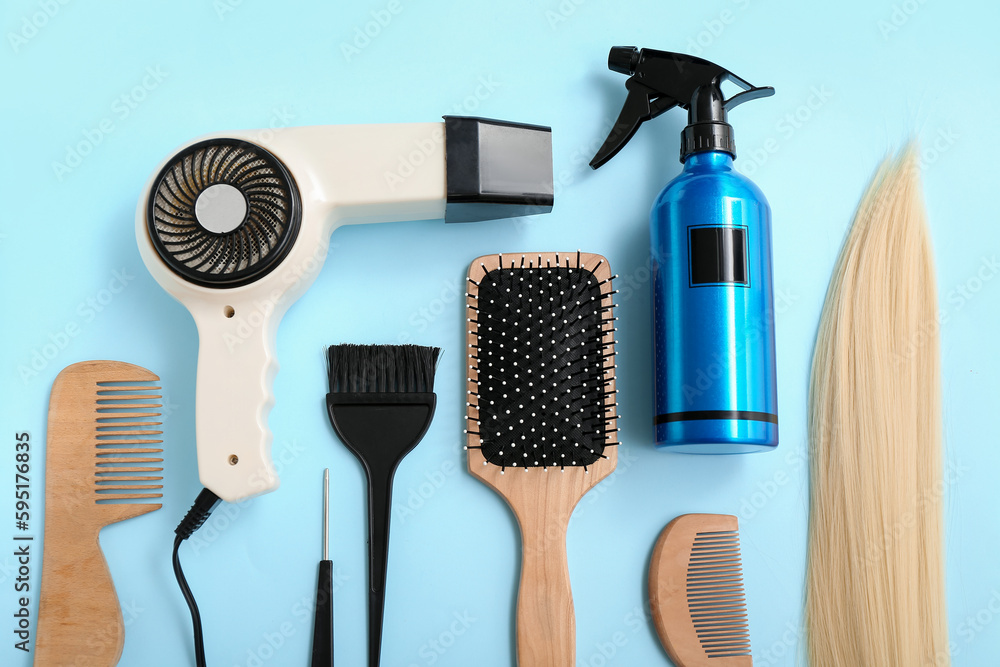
(884, 70)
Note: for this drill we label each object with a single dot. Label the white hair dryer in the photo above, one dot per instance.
(236, 229)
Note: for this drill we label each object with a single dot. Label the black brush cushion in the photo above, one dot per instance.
(541, 366)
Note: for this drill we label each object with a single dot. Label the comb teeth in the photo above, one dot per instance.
(541, 369)
(715, 597)
(126, 442)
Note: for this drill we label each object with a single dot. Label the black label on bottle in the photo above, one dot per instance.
(718, 255)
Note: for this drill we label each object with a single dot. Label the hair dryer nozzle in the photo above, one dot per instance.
(496, 169)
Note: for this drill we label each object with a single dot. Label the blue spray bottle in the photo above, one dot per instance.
(716, 384)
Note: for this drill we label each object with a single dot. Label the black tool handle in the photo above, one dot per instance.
(322, 646)
(380, 429)
(379, 512)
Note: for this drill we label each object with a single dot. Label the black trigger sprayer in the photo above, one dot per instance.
(661, 80)
(716, 381)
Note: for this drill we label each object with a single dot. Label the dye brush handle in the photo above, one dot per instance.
(380, 477)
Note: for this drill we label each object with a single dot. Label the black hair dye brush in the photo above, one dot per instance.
(542, 418)
(381, 402)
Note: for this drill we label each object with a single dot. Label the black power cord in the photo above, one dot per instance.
(193, 520)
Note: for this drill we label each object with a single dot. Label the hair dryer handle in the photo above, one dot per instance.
(237, 363)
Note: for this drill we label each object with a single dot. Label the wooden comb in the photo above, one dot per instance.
(100, 468)
(696, 592)
(542, 417)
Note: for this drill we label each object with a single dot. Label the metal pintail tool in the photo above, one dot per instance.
(322, 645)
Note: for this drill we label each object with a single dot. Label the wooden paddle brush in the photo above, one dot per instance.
(542, 418)
(100, 468)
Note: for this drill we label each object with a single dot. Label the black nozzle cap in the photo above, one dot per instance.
(623, 59)
(708, 128)
(496, 169)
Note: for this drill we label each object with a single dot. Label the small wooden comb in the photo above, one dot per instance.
(696, 592)
(100, 468)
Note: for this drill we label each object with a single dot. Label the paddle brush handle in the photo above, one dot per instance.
(546, 623)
